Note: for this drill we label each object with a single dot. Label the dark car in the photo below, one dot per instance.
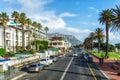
(90, 59)
(86, 55)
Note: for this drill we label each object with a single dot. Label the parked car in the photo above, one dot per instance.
(53, 57)
(35, 67)
(46, 61)
(86, 55)
(75, 55)
(90, 59)
(61, 55)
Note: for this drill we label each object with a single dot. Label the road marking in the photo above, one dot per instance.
(92, 72)
(15, 78)
(63, 75)
(103, 72)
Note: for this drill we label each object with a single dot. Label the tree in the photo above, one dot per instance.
(39, 26)
(92, 37)
(116, 19)
(23, 22)
(106, 17)
(46, 30)
(99, 37)
(34, 35)
(118, 46)
(2, 52)
(28, 21)
(4, 18)
(42, 44)
(111, 47)
(16, 17)
(87, 43)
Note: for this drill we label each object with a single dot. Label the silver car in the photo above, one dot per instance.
(53, 57)
(35, 67)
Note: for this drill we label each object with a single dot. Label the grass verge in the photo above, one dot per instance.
(111, 55)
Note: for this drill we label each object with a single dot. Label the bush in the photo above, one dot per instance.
(42, 44)
(21, 50)
(10, 54)
(32, 51)
(2, 52)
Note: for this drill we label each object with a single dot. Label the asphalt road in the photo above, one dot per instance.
(67, 68)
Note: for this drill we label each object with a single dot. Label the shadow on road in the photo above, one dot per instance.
(76, 73)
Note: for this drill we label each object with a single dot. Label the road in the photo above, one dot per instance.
(67, 68)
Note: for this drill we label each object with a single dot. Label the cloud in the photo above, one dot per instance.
(97, 11)
(89, 15)
(89, 23)
(114, 37)
(94, 24)
(92, 8)
(33, 6)
(36, 10)
(66, 14)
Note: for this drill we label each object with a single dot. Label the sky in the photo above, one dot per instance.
(72, 17)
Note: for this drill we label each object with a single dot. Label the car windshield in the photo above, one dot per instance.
(40, 64)
(33, 65)
(52, 56)
(43, 60)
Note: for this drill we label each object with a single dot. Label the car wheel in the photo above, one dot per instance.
(39, 70)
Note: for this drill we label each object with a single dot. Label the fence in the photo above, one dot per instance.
(8, 74)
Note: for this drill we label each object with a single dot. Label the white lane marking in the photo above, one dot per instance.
(63, 75)
(15, 78)
(103, 72)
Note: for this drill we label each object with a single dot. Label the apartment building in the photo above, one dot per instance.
(11, 35)
(59, 42)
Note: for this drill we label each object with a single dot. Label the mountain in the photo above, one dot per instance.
(72, 39)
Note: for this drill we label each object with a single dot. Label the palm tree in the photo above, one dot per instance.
(35, 24)
(99, 36)
(106, 17)
(116, 19)
(16, 16)
(28, 21)
(87, 43)
(4, 18)
(39, 26)
(23, 22)
(46, 30)
(92, 37)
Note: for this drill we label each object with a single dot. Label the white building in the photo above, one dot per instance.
(60, 42)
(11, 36)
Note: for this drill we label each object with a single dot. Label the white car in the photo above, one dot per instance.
(75, 55)
(46, 61)
(35, 67)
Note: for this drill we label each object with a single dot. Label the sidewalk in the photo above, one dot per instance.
(107, 69)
